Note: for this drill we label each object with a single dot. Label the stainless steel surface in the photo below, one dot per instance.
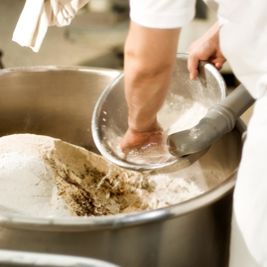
(59, 102)
(111, 114)
(220, 119)
(1, 62)
(29, 259)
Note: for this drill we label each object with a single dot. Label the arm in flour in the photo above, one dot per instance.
(205, 48)
(149, 61)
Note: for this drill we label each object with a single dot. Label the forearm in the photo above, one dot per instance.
(149, 61)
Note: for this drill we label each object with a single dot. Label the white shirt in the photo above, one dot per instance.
(242, 31)
(161, 13)
(243, 38)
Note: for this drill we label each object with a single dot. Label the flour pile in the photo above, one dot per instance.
(26, 181)
(43, 176)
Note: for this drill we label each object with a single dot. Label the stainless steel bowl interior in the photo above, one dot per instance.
(110, 114)
(60, 98)
(59, 102)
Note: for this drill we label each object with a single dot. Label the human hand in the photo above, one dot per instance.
(205, 48)
(136, 140)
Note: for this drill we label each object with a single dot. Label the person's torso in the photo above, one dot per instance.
(244, 40)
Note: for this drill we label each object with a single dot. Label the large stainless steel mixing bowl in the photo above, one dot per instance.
(59, 102)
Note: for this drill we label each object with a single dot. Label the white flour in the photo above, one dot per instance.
(177, 114)
(175, 187)
(28, 180)
(26, 184)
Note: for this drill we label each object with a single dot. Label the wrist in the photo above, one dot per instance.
(213, 33)
(144, 128)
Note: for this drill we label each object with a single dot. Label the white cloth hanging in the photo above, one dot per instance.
(38, 15)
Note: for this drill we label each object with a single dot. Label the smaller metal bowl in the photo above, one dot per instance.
(109, 121)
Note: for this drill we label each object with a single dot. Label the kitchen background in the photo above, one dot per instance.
(94, 38)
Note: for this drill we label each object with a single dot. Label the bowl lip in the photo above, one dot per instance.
(71, 224)
(57, 68)
(20, 258)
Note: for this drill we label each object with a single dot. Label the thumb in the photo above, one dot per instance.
(218, 62)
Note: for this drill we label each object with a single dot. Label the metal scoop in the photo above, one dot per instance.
(219, 120)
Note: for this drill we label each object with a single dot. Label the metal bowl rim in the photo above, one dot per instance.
(58, 68)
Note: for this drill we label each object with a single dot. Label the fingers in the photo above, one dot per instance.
(192, 65)
(136, 140)
(206, 48)
(196, 54)
(218, 62)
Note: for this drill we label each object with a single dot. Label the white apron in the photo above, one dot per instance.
(244, 43)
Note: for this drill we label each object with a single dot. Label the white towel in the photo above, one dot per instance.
(38, 15)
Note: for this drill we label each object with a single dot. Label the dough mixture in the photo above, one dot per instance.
(44, 176)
